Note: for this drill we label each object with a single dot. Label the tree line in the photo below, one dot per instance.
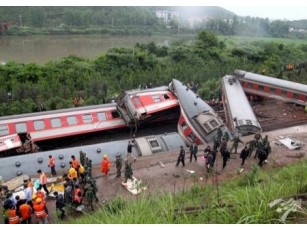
(24, 87)
(31, 20)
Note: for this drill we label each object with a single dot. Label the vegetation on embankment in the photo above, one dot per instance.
(244, 200)
(23, 87)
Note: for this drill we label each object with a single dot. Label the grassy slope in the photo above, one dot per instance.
(243, 200)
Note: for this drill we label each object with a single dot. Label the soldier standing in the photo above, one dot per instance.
(128, 171)
(90, 195)
(118, 164)
(235, 144)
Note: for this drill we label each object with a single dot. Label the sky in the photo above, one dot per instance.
(272, 9)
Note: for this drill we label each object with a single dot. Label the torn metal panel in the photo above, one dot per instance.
(291, 144)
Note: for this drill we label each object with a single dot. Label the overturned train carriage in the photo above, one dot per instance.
(28, 164)
(240, 117)
(145, 106)
(198, 122)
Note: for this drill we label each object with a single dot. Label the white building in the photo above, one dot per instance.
(166, 15)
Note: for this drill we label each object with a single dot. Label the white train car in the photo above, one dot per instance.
(240, 117)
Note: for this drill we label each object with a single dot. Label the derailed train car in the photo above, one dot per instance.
(240, 117)
(28, 164)
(271, 87)
(198, 122)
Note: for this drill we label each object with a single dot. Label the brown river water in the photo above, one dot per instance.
(42, 49)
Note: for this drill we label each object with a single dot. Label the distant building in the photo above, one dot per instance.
(167, 15)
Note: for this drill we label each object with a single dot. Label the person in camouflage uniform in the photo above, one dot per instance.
(128, 171)
(82, 157)
(252, 144)
(90, 195)
(235, 144)
(118, 164)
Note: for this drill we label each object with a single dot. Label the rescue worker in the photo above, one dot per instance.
(40, 211)
(13, 218)
(262, 156)
(193, 151)
(128, 171)
(59, 204)
(72, 173)
(43, 181)
(25, 211)
(51, 164)
(75, 162)
(252, 144)
(236, 140)
(226, 156)
(105, 165)
(244, 154)
(129, 150)
(90, 195)
(82, 157)
(118, 164)
(81, 172)
(181, 157)
(38, 194)
(77, 200)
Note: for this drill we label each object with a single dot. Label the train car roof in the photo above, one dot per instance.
(238, 103)
(150, 90)
(191, 103)
(271, 81)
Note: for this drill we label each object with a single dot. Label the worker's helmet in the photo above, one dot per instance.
(38, 200)
(105, 156)
(118, 155)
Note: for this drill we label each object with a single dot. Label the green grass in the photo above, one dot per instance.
(238, 201)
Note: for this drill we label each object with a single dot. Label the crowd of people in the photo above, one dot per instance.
(80, 190)
(259, 147)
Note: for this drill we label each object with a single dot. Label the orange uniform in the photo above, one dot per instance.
(25, 211)
(13, 218)
(105, 166)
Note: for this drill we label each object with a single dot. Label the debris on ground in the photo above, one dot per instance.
(291, 144)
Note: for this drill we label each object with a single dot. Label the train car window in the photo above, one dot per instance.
(207, 127)
(21, 128)
(4, 130)
(166, 97)
(87, 118)
(192, 137)
(154, 143)
(39, 125)
(101, 116)
(115, 114)
(184, 126)
(261, 88)
(72, 120)
(284, 93)
(250, 85)
(272, 90)
(214, 123)
(56, 122)
(249, 122)
(295, 96)
(156, 98)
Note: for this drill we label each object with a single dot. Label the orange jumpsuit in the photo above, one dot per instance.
(105, 166)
